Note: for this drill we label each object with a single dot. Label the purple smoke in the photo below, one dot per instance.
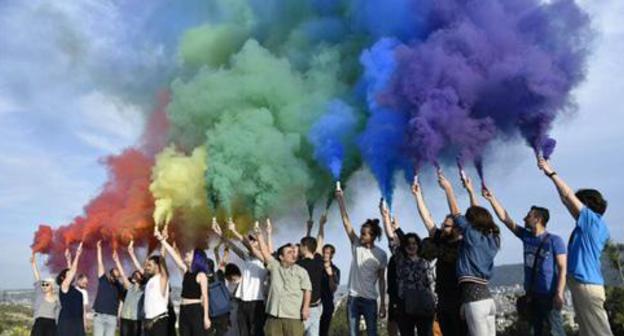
(488, 69)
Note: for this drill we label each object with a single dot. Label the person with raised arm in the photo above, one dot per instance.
(290, 291)
(132, 306)
(106, 304)
(194, 318)
(414, 279)
(71, 318)
(368, 265)
(475, 265)
(250, 290)
(46, 306)
(312, 261)
(585, 247)
(544, 267)
(443, 246)
(82, 284)
(156, 297)
(392, 325)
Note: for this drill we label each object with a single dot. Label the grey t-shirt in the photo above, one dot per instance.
(44, 308)
(365, 266)
(132, 304)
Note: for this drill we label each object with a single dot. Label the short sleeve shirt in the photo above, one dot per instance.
(545, 282)
(587, 242)
(315, 268)
(286, 289)
(365, 266)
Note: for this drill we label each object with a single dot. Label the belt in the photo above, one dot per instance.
(149, 323)
(315, 304)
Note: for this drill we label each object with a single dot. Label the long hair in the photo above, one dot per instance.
(162, 265)
(200, 262)
(481, 219)
(61, 276)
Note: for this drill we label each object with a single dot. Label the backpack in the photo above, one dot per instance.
(218, 299)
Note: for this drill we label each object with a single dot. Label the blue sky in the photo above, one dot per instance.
(72, 74)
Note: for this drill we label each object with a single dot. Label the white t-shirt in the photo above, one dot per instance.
(155, 303)
(251, 287)
(365, 266)
(85, 296)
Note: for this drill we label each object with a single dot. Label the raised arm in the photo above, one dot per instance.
(100, 262)
(135, 261)
(232, 228)
(467, 183)
(173, 252)
(35, 269)
(320, 237)
(308, 227)
(268, 231)
(569, 199)
(501, 213)
(264, 249)
(346, 222)
(124, 279)
(71, 273)
(450, 194)
(387, 221)
(423, 211)
(68, 258)
(217, 230)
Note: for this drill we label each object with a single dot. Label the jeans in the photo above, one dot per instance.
(543, 311)
(104, 325)
(312, 324)
(480, 317)
(357, 307)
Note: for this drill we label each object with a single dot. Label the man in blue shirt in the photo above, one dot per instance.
(586, 244)
(544, 271)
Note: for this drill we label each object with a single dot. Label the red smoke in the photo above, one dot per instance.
(122, 211)
(42, 242)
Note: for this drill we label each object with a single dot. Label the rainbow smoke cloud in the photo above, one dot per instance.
(269, 101)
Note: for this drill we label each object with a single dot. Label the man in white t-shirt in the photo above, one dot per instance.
(367, 271)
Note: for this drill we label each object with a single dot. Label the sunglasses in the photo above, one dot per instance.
(45, 284)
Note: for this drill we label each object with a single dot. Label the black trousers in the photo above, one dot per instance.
(407, 323)
(44, 327)
(326, 317)
(191, 322)
(451, 323)
(158, 328)
(171, 320)
(220, 325)
(251, 318)
(130, 327)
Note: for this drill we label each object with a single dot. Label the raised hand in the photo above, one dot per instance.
(383, 208)
(467, 183)
(323, 219)
(159, 235)
(79, 249)
(99, 244)
(131, 247)
(395, 223)
(443, 182)
(268, 227)
(416, 188)
(487, 194)
(115, 256)
(544, 166)
(216, 228)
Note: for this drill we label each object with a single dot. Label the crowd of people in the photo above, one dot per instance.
(440, 279)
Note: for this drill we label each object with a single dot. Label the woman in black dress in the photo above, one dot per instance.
(70, 322)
